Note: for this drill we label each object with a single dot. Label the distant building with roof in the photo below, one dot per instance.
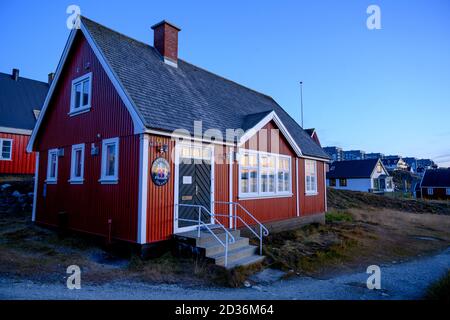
(360, 175)
(394, 163)
(335, 153)
(374, 155)
(354, 155)
(436, 184)
(21, 100)
(313, 134)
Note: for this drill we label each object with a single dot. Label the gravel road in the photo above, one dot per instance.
(407, 280)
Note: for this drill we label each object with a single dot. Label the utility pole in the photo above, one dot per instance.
(301, 100)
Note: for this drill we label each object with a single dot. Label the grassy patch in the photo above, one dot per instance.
(440, 290)
(344, 199)
(314, 248)
(338, 216)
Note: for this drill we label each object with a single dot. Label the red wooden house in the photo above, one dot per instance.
(435, 184)
(21, 100)
(134, 142)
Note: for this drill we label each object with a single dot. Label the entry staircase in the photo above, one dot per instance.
(225, 246)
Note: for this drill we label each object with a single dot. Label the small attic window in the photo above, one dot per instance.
(36, 113)
(81, 94)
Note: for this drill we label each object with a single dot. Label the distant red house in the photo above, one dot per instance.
(435, 184)
(21, 100)
(118, 153)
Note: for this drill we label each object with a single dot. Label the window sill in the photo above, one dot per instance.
(79, 111)
(109, 181)
(76, 181)
(311, 194)
(51, 181)
(262, 197)
(5, 159)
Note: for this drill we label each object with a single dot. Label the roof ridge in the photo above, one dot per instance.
(25, 78)
(184, 61)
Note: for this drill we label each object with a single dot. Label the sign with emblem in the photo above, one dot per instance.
(160, 171)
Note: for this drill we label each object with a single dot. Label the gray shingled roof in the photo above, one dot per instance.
(436, 178)
(169, 98)
(18, 99)
(352, 169)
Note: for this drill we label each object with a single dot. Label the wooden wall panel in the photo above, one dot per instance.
(21, 162)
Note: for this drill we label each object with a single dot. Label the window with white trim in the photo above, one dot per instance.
(110, 161)
(311, 177)
(81, 94)
(77, 164)
(267, 173)
(249, 173)
(6, 149)
(264, 174)
(52, 166)
(284, 174)
(430, 191)
(447, 191)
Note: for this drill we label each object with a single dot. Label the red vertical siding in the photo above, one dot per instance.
(222, 182)
(311, 204)
(160, 202)
(21, 162)
(270, 209)
(91, 204)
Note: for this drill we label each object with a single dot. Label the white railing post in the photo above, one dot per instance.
(260, 240)
(199, 221)
(226, 249)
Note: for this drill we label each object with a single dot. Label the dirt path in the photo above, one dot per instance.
(407, 280)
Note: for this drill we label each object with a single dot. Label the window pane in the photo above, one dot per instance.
(253, 183)
(53, 165)
(244, 181)
(85, 93)
(77, 172)
(77, 95)
(110, 159)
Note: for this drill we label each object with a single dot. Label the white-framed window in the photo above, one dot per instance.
(430, 191)
(77, 164)
(447, 191)
(110, 161)
(267, 173)
(310, 177)
(81, 94)
(263, 174)
(284, 174)
(249, 174)
(52, 166)
(6, 149)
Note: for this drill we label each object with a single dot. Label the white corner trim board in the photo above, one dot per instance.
(143, 189)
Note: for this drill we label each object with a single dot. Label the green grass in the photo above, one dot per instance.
(440, 290)
(338, 216)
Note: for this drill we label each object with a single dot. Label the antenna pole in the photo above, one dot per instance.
(301, 100)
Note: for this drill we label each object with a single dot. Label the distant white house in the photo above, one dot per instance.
(360, 175)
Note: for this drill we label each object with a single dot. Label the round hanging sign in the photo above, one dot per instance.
(160, 171)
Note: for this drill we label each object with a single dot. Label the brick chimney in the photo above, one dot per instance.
(165, 40)
(51, 75)
(15, 74)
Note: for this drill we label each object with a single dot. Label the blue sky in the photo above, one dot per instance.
(382, 90)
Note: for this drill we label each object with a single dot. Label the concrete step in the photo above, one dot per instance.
(215, 248)
(234, 255)
(206, 236)
(246, 261)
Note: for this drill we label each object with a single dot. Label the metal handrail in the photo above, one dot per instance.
(229, 238)
(263, 231)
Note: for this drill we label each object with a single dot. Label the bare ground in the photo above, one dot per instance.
(353, 238)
